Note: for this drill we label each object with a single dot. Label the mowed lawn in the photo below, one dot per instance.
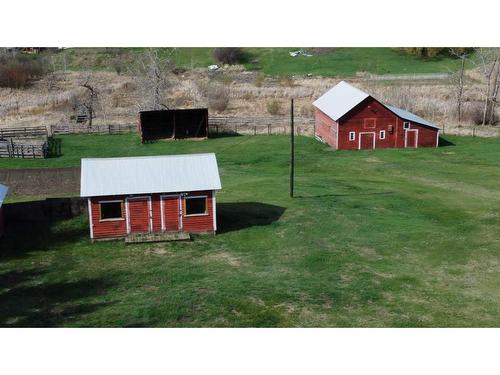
(386, 238)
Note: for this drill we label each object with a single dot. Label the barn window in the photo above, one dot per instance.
(382, 134)
(352, 136)
(111, 210)
(195, 206)
(406, 125)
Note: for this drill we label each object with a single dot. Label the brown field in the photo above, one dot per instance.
(50, 101)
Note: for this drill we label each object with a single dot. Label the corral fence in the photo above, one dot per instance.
(25, 142)
(217, 125)
(11, 149)
(259, 125)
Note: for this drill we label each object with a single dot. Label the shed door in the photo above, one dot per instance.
(170, 213)
(366, 141)
(411, 138)
(138, 213)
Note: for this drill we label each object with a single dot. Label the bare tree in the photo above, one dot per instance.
(488, 61)
(458, 79)
(91, 98)
(152, 71)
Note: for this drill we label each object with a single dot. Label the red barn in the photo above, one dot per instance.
(132, 196)
(3, 192)
(349, 119)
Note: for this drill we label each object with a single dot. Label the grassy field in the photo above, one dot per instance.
(376, 238)
(271, 61)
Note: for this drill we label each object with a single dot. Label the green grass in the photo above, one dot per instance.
(273, 61)
(376, 238)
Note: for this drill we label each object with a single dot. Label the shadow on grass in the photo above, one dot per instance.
(445, 143)
(23, 237)
(29, 302)
(241, 215)
(224, 134)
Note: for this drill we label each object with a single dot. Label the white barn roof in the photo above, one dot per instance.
(410, 116)
(339, 100)
(149, 174)
(3, 192)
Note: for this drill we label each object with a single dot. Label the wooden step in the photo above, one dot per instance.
(157, 237)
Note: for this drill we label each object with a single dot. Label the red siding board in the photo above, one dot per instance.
(367, 117)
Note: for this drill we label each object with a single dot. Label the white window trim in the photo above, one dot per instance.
(206, 205)
(405, 123)
(352, 136)
(381, 134)
(113, 218)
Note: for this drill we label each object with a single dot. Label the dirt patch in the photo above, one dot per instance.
(225, 258)
(158, 249)
(41, 182)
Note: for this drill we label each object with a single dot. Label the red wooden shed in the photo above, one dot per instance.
(133, 196)
(3, 192)
(347, 118)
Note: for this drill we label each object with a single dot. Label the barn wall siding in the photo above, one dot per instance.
(107, 228)
(201, 223)
(326, 128)
(138, 215)
(367, 120)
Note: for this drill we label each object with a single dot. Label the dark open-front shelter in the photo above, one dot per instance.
(173, 124)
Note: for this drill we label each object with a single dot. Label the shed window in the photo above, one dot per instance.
(111, 210)
(382, 134)
(352, 136)
(406, 125)
(195, 206)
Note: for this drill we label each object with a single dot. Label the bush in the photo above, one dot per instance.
(474, 113)
(18, 71)
(230, 56)
(218, 98)
(273, 107)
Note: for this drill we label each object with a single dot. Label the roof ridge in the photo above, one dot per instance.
(150, 156)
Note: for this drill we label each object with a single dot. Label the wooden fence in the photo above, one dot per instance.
(96, 129)
(24, 132)
(10, 149)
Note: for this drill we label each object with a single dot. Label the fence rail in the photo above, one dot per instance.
(9, 149)
(24, 132)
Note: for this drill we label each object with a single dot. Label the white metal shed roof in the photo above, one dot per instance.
(3, 192)
(410, 116)
(149, 174)
(339, 100)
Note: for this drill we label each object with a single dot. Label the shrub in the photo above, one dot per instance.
(18, 71)
(474, 113)
(259, 80)
(273, 107)
(287, 81)
(218, 98)
(230, 55)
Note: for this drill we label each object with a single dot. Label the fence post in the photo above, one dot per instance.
(268, 129)
(474, 131)
(255, 130)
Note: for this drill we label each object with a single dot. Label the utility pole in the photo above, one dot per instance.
(292, 149)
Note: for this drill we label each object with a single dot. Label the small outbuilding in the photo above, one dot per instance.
(132, 196)
(3, 193)
(347, 118)
(173, 124)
